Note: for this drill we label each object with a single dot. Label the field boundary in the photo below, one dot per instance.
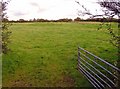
(100, 73)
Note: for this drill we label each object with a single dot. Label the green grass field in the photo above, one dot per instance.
(45, 54)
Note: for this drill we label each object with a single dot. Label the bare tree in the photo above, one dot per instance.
(111, 9)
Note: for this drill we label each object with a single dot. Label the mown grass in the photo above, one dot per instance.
(45, 54)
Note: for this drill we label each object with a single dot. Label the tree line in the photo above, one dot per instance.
(78, 19)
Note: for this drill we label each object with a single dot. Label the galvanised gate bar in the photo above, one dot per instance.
(99, 72)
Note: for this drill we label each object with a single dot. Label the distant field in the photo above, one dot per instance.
(45, 54)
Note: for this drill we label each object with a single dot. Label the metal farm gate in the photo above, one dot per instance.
(100, 73)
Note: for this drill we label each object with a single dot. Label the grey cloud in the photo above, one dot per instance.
(19, 13)
(38, 7)
(34, 4)
(41, 10)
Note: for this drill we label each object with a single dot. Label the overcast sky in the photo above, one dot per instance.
(47, 9)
